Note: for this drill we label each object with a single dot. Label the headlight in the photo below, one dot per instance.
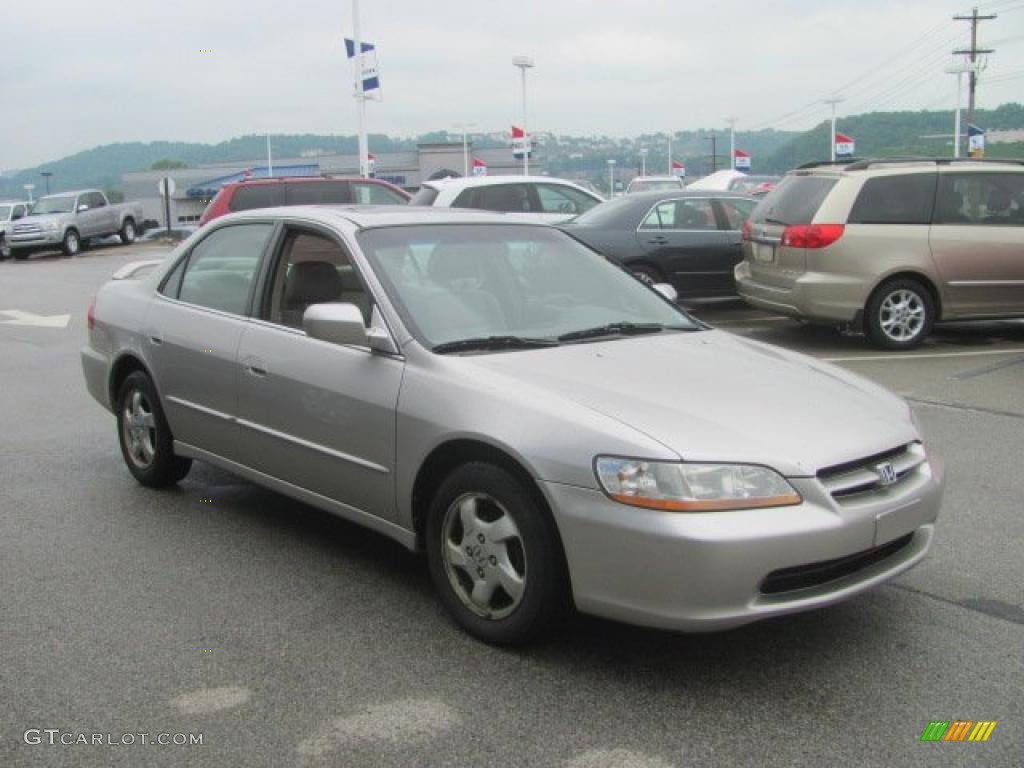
(681, 487)
(51, 226)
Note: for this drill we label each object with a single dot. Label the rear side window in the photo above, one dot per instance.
(795, 200)
(555, 198)
(257, 196)
(318, 193)
(895, 200)
(424, 196)
(500, 197)
(988, 199)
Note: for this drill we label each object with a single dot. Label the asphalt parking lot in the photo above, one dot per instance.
(287, 637)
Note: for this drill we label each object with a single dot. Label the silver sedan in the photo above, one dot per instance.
(550, 431)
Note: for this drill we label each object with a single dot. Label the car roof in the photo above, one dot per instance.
(655, 178)
(370, 216)
(657, 194)
(302, 180)
(461, 182)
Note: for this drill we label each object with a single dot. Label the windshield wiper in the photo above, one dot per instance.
(493, 342)
(619, 329)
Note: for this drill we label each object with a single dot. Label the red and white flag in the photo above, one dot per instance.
(844, 145)
(741, 160)
(479, 167)
(678, 169)
(520, 143)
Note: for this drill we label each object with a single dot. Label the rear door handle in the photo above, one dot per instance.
(156, 340)
(254, 366)
(658, 240)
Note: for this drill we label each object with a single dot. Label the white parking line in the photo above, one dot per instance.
(928, 355)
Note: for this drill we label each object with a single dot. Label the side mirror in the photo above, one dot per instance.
(343, 324)
(666, 290)
(83, 207)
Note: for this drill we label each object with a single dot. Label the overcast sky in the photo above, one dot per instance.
(74, 75)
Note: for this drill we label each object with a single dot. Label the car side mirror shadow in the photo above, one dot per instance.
(343, 324)
(666, 290)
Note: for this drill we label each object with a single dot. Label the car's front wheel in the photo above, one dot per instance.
(72, 243)
(899, 314)
(494, 556)
(127, 232)
(146, 442)
(5, 249)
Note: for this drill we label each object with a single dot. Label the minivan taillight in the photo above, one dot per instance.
(811, 235)
(90, 316)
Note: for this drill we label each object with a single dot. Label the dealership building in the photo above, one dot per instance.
(194, 187)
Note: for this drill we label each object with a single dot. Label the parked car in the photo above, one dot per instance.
(653, 184)
(68, 220)
(691, 240)
(10, 211)
(550, 431)
(890, 246)
(539, 198)
(753, 185)
(301, 190)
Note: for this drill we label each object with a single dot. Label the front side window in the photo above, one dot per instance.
(96, 200)
(375, 194)
(502, 197)
(559, 199)
(904, 199)
(313, 269)
(222, 267)
(456, 282)
(986, 199)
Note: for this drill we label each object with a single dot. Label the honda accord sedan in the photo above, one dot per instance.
(551, 432)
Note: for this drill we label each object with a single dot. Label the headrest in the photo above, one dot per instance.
(312, 282)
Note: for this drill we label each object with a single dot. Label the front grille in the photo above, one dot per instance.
(26, 229)
(855, 479)
(816, 574)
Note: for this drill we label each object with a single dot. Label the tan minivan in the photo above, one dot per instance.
(889, 246)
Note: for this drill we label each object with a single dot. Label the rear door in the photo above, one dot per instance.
(977, 241)
(682, 238)
(193, 329)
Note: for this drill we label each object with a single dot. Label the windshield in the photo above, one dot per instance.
(455, 282)
(56, 204)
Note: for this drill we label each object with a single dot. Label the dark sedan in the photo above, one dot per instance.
(690, 239)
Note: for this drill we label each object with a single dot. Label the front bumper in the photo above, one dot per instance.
(35, 240)
(708, 571)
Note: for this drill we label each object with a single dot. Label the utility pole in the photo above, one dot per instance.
(732, 142)
(972, 53)
(714, 149)
(833, 101)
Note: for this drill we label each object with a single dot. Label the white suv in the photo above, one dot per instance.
(539, 198)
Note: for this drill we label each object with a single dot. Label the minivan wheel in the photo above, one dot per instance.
(146, 442)
(899, 314)
(494, 557)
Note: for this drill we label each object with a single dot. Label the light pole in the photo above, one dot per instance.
(833, 101)
(611, 178)
(732, 142)
(643, 161)
(270, 159)
(357, 48)
(959, 70)
(465, 146)
(524, 63)
(46, 175)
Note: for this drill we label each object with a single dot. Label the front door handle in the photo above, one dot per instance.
(255, 366)
(659, 240)
(156, 340)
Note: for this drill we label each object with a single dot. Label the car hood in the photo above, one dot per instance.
(712, 396)
(42, 218)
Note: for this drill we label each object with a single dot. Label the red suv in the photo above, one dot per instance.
(301, 190)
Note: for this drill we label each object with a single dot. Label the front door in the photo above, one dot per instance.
(320, 416)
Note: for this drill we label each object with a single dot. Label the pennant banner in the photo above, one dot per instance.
(678, 169)
(368, 60)
(741, 160)
(975, 141)
(479, 167)
(521, 145)
(845, 145)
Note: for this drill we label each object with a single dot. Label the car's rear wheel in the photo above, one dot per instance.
(72, 243)
(146, 442)
(127, 232)
(494, 556)
(899, 314)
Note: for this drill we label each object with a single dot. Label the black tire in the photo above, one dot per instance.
(646, 274)
(899, 314)
(128, 232)
(160, 468)
(535, 554)
(5, 249)
(71, 245)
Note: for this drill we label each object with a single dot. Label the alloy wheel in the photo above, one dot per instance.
(139, 429)
(902, 315)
